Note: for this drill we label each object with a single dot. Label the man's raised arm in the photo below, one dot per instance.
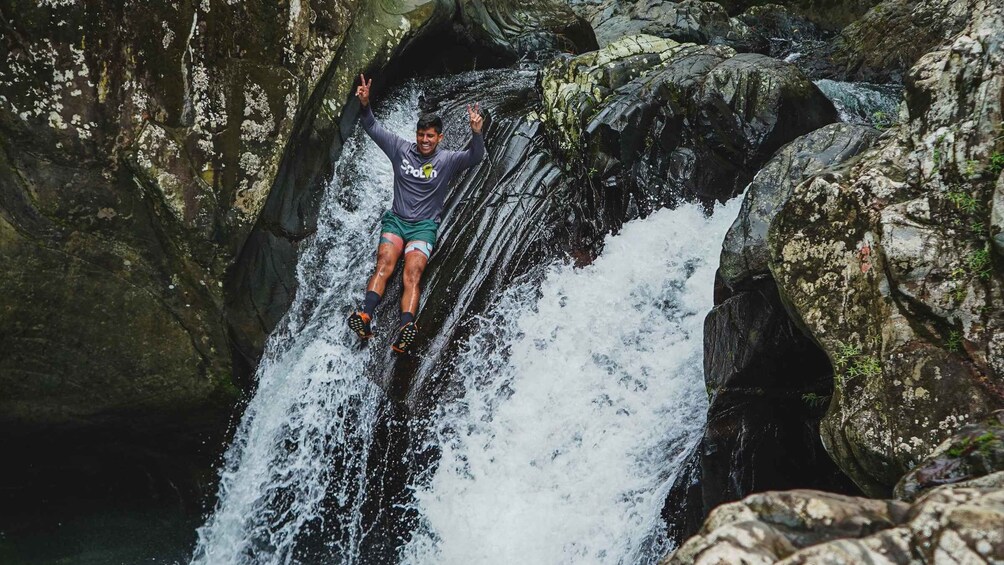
(385, 140)
(473, 154)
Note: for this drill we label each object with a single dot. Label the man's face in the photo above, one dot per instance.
(427, 140)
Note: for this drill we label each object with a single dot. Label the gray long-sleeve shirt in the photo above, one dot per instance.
(420, 182)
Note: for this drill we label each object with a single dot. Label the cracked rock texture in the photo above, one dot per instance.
(646, 122)
(883, 44)
(946, 523)
(950, 524)
(888, 266)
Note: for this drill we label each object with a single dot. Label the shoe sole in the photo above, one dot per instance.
(357, 325)
(405, 340)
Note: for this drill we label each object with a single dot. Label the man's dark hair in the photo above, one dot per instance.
(430, 121)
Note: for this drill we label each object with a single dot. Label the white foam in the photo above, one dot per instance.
(581, 401)
(305, 436)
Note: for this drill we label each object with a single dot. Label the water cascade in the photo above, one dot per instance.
(546, 430)
(299, 456)
(582, 398)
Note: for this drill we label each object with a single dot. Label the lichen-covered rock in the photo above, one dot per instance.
(687, 21)
(829, 14)
(139, 146)
(647, 121)
(768, 527)
(888, 265)
(884, 43)
(951, 524)
(768, 382)
(744, 251)
(158, 167)
(976, 450)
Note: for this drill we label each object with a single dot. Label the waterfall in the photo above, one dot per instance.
(554, 404)
(582, 396)
(295, 479)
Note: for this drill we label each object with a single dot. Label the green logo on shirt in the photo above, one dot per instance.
(426, 172)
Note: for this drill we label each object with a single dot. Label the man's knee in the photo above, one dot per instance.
(412, 275)
(385, 264)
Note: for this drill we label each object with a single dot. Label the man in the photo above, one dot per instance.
(422, 174)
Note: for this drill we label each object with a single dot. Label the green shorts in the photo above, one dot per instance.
(422, 230)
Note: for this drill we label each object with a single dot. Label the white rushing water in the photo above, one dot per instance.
(582, 398)
(583, 391)
(305, 436)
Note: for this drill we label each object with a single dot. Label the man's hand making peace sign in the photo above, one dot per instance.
(476, 120)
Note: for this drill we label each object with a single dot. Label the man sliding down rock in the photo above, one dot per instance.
(422, 175)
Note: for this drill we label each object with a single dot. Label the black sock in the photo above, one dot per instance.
(372, 299)
(407, 317)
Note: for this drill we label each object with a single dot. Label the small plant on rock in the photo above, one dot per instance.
(880, 120)
(979, 263)
(972, 168)
(997, 163)
(850, 363)
(954, 342)
(963, 200)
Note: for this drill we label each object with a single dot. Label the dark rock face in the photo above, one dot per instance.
(974, 451)
(827, 14)
(769, 383)
(882, 45)
(769, 386)
(783, 33)
(647, 122)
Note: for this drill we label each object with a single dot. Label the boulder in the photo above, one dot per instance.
(139, 147)
(828, 14)
(951, 524)
(885, 42)
(976, 450)
(744, 251)
(888, 265)
(767, 527)
(687, 21)
(647, 122)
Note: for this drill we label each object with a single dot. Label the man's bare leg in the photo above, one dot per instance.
(388, 252)
(414, 264)
(387, 256)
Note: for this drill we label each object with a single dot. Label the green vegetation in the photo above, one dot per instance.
(954, 342)
(972, 168)
(997, 163)
(968, 445)
(979, 263)
(880, 120)
(814, 400)
(850, 363)
(963, 200)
